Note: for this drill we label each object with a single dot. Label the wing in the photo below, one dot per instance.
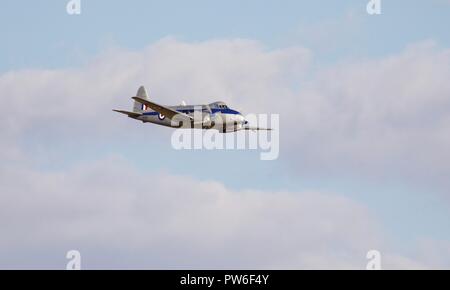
(130, 114)
(168, 112)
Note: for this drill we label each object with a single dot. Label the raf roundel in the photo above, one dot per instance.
(161, 117)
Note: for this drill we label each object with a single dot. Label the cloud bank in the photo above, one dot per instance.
(120, 217)
(384, 117)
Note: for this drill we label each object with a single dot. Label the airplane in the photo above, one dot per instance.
(215, 115)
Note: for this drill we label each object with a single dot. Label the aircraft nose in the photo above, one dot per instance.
(242, 120)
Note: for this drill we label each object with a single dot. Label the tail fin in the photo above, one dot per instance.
(141, 93)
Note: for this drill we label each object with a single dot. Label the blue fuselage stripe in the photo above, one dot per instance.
(223, 111)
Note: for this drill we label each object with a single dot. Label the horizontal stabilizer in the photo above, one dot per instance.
(130, 114)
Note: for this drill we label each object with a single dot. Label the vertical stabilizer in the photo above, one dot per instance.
(138, 107)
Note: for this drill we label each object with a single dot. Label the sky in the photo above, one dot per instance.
(364, 105)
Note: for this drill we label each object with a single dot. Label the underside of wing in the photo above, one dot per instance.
(168, 112)
(130, 114)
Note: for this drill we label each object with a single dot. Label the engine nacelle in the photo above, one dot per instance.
(206, 122)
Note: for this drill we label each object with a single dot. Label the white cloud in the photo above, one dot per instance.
(375, 117)
(175, 221)
(119, 217)
(387, 117)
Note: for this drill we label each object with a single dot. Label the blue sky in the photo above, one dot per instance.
(45, 36)
(40, 35)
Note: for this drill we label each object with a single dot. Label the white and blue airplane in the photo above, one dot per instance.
(216, 115)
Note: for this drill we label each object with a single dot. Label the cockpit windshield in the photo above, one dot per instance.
(218, 105)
